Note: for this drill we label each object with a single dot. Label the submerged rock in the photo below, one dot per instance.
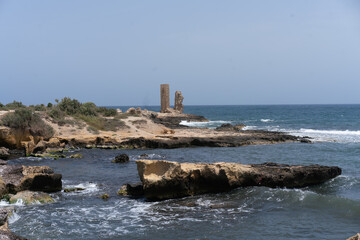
(74, 189)
(105, 196)
(29, 197)
(164, 179)
(122, 158)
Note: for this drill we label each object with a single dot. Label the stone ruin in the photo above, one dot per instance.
(165, 100)
(178, 106)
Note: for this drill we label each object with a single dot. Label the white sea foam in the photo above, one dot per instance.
(19, 202)
(88, 186)
(210, 124)
(13, 217)
(266, 120)
(343, 136)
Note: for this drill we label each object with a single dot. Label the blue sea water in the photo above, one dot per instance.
(327, 211)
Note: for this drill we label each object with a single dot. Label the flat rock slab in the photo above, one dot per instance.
(164, 179)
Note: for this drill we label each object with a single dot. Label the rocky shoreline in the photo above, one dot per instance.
(145, 129)
(28, 185)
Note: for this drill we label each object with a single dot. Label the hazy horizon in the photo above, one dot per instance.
(117, 53)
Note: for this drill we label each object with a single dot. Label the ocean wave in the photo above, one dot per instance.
(210, 124)
(19, 202)
(88, 186)
(266, 120)
(343, 136)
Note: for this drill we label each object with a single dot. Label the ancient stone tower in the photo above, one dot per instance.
(178, 102)
(165, 97)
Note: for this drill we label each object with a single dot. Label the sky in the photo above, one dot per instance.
(118, 52)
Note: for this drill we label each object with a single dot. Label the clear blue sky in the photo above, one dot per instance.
(215, 52)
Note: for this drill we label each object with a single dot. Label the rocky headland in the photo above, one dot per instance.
(55, 130)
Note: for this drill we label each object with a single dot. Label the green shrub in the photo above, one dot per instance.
(88, 109)
(49, 105)
(1, 105)
(56, 114)
(107, 112)
(69, 106)
(25, 119)
(15, 105)
(40, 107)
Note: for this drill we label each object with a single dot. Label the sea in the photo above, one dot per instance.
(327, 211)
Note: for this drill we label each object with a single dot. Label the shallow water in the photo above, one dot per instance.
(327, 211)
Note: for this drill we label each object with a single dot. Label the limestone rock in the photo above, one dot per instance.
(356, 237)
(29, 146)
(131, 111)
(164, 179)
(5, 233)
(3, 189)
(4, 153)
(135, 190)
(8, 235)
(138, 110)
(165, 97)
(7, 137)
(230, 127)
(40, 147)
(4, 215)
(122, 158)
(35, 178)
(178, 106)
(53, 143)
(29, 197)
(3, 162)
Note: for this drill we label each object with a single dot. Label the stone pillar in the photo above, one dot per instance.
(165, 97)
(179, 102)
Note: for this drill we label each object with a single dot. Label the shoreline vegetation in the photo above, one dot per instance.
(69, 123)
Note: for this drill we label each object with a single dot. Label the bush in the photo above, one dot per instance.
(25, 119)
(1, 105)
(40, 107)
(107, 112)
(88, 109)
(69, 106)
(15, 105)
(49, 105)
(56, 114)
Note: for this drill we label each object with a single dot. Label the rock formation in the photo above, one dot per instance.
(4, 153)
(356, 237)
(178, 106)
(121, 158)
(164, 179)
(230, 127)
(16, 178)
(5, 233)
(165, 97)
